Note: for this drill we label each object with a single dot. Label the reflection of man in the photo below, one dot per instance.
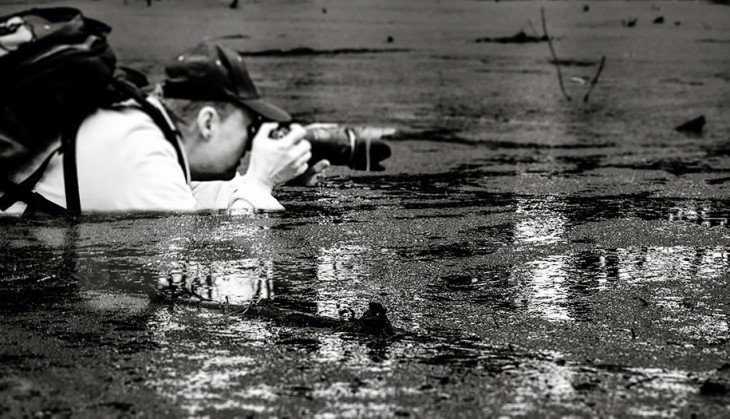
(124, 162)
(216, 282)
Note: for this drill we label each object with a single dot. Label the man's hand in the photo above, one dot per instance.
(275, 161)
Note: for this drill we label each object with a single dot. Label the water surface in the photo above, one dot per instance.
(537, 257)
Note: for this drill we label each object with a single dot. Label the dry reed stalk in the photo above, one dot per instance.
(595, 79)
(556, 61)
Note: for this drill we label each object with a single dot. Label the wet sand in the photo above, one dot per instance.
(538, 257)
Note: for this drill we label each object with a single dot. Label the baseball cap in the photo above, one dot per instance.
(211, 71)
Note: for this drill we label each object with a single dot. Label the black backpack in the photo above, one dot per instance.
(56, 68)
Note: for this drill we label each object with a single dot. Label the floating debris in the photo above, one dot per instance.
(519, 38)
(629, 23)
(658, 21)
(693, 126)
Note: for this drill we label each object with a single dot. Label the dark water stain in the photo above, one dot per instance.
(714, 41)
(677, 167)
(565, 62)
(453, 250)
(722, 76)
(511, 71)
(718, 181)
(473, 356)
(679, 81)
(308, 344)
(583, 163)
(232, 36)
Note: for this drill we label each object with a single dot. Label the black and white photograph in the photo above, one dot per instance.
(364, 209)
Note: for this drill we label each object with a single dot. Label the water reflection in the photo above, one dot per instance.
(703, 213)
(215, 368)
(560, 287)
(343, 266)
(541, 222)
(232, 282)
(197, 365)
(548, 294)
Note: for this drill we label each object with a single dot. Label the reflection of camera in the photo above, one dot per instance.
(359, 148)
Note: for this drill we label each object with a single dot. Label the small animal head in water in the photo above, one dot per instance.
(374, 310)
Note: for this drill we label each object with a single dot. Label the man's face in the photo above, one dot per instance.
(218, 156)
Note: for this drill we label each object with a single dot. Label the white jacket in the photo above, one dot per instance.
(125, 164)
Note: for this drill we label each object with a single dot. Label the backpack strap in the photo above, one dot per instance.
(15, 192)
(35, 202)
(70, 172)
(68, 142)
(23, 191)
(168, 130)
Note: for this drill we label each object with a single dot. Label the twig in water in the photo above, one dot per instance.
(534, 31)
(242, 311)
(555, 56)
(594, 82)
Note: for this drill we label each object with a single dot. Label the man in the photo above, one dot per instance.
(125, 164)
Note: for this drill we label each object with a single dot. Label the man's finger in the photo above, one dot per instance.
(303, 159)
(302, 147)
(301, 169)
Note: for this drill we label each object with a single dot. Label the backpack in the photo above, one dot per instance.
(56, 68)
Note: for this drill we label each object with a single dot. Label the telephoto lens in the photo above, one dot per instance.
(359, 148)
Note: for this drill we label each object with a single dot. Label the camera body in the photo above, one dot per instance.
(280, 131)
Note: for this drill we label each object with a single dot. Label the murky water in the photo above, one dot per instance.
(516, 306)
(535, 257)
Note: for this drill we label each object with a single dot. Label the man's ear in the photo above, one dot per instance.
(207, 121)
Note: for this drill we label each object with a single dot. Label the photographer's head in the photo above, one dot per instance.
(216, 105)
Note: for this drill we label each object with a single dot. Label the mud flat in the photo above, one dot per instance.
(536, 257)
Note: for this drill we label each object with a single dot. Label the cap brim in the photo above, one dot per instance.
(267, 110)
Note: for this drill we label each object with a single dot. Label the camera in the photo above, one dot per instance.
(359, 148)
